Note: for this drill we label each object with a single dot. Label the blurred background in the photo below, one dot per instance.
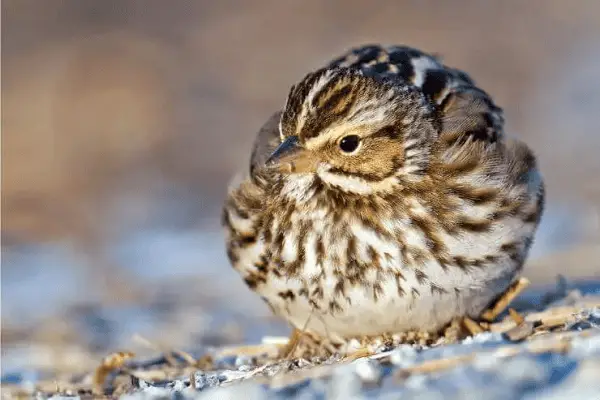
(123, 121)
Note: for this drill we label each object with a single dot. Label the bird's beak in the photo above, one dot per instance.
(290, 157)
(286, 149)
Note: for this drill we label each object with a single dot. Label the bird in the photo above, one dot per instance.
(383, 197)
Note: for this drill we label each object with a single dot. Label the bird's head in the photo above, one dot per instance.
(357, 133)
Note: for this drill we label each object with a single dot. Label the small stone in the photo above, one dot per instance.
(520, 332)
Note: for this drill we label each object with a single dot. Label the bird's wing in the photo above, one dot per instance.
(265, 143)
(461, 106)
(246, 191)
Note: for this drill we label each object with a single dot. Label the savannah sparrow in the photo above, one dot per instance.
(383, 198)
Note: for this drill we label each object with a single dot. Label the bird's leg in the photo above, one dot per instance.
(289, 348)
(464, 326)
(505, 299)
(304, 344)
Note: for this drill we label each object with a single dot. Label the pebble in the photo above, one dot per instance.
(520, 332)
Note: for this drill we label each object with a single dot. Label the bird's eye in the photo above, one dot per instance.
(349, 143)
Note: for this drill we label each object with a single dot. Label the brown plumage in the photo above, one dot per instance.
(383, 198)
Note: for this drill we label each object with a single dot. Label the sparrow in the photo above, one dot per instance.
(383, 197)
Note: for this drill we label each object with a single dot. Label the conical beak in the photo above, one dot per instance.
(286, 150)
(291, 157)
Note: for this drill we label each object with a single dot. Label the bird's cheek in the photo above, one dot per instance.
(305, 163)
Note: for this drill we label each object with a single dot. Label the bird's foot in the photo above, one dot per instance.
(302, 344)
(463, 327)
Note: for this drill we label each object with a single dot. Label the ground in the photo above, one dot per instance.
(547, 347)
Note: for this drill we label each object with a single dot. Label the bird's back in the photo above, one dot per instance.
(442, 84)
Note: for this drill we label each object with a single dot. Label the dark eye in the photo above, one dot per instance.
(349, 143)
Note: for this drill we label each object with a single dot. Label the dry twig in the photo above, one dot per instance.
(109, 364)
(473, 327)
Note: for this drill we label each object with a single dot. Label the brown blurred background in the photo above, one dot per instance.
(122, 122)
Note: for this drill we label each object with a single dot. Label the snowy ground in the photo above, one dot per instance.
(553, 354)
